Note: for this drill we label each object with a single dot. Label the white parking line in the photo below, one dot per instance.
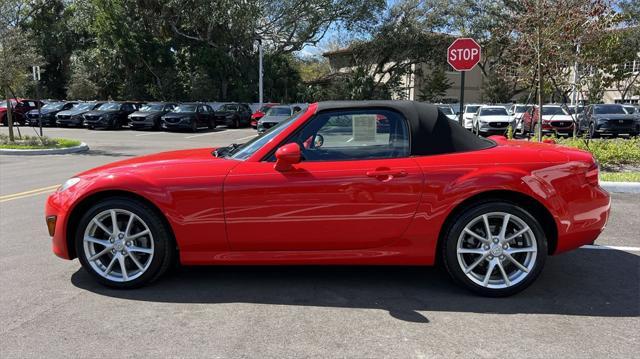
(151, 133)
(210, 133)
(614, 248)
(244, 138)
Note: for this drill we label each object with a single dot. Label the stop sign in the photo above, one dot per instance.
(463, 54)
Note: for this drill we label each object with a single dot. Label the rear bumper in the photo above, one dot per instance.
(586, 217)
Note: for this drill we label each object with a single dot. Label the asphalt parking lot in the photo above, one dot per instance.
(585, 304)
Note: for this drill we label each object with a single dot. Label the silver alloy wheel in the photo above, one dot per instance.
(117, 235)
(497, 250)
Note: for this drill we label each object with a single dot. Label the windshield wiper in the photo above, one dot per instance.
(227, 150)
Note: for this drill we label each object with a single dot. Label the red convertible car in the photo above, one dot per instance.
(330, 186)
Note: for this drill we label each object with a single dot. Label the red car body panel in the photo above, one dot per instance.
(225, 211)
(529, 120)
(19, 112)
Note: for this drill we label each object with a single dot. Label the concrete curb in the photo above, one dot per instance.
(50, 151)
(621, 187)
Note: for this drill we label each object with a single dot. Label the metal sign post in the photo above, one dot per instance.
(463, 55)
(36, 78)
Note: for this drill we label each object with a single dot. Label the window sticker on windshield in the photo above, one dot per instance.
(364, 128)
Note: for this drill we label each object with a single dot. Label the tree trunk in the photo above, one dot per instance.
(540, 82)
(9, 115)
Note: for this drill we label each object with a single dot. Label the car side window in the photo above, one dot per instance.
(354, 135)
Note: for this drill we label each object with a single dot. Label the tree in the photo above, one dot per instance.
(546, 34)
(435, 86)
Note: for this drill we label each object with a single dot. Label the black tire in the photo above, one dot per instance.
(235, 123)
(164, 244)
(211, 124)
(449, 253)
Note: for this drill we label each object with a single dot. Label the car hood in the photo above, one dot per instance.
(147, 113)
(180, 114)
(44, 112)
(98, 112)
(72, 112)
(274, 118)
(505, 118)
(615, 116)
(160, 161)
(557, 118)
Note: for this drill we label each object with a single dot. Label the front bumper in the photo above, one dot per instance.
(264, 126)
(616, 127)
(56, 206)
(141, 122)
(495, 127)
(183, 123)
(69, 121)
(46, 121)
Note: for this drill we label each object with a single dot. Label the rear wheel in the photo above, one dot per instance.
(123, 243)
(592, 131)
(495, 249)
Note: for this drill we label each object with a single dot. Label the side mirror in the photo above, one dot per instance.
(286, 156)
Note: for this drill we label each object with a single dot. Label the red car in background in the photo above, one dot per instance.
(328, 186)
(20, 107)
(256, 116)
(555, 119)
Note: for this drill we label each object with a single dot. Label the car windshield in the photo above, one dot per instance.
(264, 108)
(279, 111)
(609, 110)
(471, 109)
(109, 107)
(496, 111)
(552, 110)
(229, 108)
(53, 106)
(246, 150)
(521, 109)
(152, 107)
(82, 106)
(446, 110)
(186, 108)
(630, 109)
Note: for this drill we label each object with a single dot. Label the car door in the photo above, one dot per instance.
(356, 188)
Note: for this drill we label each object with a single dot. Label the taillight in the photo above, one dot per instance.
(593, 173)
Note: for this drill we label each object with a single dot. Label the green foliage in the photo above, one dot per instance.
(36, 142)
(620, 176)
(435, 86)
(608, 152)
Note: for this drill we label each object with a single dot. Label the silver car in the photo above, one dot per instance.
(274, 116)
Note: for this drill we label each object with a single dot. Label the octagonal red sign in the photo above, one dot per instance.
(463, 54)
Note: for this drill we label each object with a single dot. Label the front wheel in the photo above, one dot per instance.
(495, 249)
(123, 243)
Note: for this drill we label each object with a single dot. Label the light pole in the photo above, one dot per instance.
(260, 87)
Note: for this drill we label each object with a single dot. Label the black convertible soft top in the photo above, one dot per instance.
(431, 131)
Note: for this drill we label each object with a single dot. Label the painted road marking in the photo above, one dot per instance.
(33, 192)
(211, 133)
(244, 138)
(613, 248)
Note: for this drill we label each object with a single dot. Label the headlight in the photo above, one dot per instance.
(69, 183)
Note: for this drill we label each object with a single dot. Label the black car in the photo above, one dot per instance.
(190, 116)
(149, 115)
(112, 115)
(234, 115)
(48, 113)
(610, 119)
(73, 117)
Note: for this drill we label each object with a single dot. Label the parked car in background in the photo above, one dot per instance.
(234, 115)
(274, 116)
(150, 115)
(517, 112)
(575, 109)
(425, 192)
(20, 107)
(73, 116)
(448, 111)
(608, 119)
(110, 115)
(491, 120)
(256, 116)
(555, 119)
(189, 116)
(467, 115)
(48, 113)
